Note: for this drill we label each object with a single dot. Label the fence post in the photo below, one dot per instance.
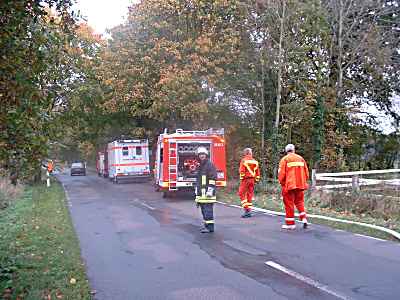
(48, 179)
(355, 183)
(313, 179)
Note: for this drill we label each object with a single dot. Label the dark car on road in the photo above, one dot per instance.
(78, 168)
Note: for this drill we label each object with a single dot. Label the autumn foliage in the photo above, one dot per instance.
(199, 64)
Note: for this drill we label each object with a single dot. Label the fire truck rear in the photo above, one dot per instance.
(176, 161)
(128, 159)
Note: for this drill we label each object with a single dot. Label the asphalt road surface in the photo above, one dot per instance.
(137, 245)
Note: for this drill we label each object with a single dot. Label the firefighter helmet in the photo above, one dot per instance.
(247, 151)
(202, 150)
(289, 148)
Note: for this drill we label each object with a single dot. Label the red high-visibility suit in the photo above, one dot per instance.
(293, 176)
(249, 172)
(50, 167)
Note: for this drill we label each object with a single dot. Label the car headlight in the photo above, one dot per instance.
(220, 175)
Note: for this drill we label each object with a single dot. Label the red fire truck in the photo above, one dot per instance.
(176, 161)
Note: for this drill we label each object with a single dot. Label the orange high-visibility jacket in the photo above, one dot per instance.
(293, 172)
(249, 168)
(50, 166)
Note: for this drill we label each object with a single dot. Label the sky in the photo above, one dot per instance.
(103, 14)
(386, 122)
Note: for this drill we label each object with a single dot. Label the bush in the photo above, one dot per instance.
(8, 192)
(359, 203)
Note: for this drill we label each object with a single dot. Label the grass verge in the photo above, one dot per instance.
(39, 251)
(273, 201)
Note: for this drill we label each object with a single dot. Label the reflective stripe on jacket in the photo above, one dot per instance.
(249, 168)
(206, 177)
(293, 172)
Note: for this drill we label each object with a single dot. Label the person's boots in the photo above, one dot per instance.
(246, 214)
(288, 227)
(305, 223)
(207, 229)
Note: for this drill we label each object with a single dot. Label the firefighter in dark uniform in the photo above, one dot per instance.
(205, 189)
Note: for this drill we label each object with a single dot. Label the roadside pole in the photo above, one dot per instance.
(48, 178)
(313, 179)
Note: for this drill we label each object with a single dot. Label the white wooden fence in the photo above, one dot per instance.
(352, 179)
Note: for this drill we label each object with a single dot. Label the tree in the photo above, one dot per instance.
(32, 39)
(203, 63)
(363, 56)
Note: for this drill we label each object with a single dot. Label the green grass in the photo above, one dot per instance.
(39, 251)
(273, 201)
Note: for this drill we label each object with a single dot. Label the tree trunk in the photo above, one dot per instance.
(280, 63)
(37, 177)
(318, 121)
(340, 55)
(289, 134)
(279, 87)
(263, 114)
(339, 91)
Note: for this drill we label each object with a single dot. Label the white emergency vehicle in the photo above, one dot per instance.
(128, 159)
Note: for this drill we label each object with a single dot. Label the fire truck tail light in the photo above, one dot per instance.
(220, 175)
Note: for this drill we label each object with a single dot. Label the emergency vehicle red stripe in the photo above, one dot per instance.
(130, 147)
(129, 164)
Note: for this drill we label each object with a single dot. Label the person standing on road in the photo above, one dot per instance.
(293, 175)
(249, 172)
(50, 167)
(205, 189)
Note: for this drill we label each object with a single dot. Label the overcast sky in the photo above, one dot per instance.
(103, 14)
(385, 122)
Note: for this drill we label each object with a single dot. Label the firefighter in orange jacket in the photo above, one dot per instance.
(293, 176)
(249, 172)
(50, 167)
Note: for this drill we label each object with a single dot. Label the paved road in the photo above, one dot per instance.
(137, 245)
